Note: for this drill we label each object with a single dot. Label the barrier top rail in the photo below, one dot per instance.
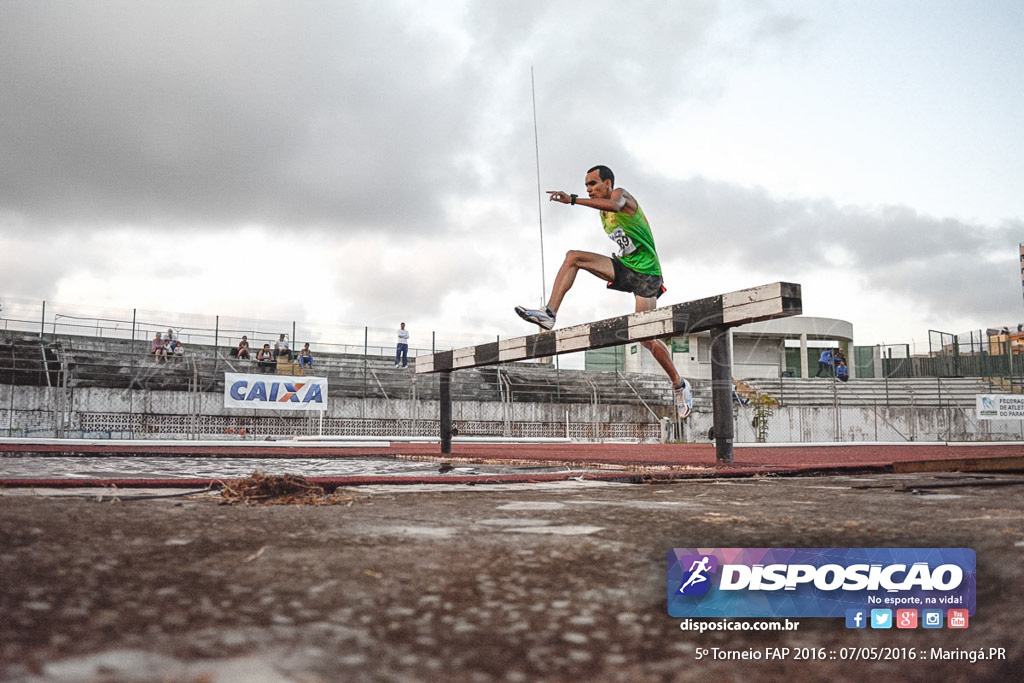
(776, 300)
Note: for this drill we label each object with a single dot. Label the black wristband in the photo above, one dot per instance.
(572, 199)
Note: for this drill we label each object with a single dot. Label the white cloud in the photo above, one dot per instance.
(361, 163)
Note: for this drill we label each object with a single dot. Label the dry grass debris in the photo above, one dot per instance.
(280, 489)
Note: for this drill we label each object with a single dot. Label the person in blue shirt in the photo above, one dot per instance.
(842, 372)
(825, 363)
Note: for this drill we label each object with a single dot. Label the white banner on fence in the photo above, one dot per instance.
(1000, 407)
(274, 392)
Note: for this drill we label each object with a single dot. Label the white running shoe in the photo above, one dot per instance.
(544, 317)
(684, 399)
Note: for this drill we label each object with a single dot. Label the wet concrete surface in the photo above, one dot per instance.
(545, 582)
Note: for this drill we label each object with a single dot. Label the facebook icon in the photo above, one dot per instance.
(856, 618)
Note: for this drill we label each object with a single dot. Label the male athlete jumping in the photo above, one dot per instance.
(634, 269)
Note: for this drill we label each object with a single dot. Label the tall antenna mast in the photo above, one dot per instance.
(1021, 256)
(540, 217)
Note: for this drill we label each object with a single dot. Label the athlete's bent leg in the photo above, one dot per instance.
(574, 262)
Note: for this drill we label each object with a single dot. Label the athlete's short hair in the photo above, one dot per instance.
(604, 172)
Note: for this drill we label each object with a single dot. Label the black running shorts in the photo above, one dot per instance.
(628, 280)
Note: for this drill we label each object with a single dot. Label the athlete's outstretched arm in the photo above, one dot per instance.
(620, 200)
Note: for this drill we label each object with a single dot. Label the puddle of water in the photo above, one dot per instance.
(531, 505)
(641, 504)
(418, 531)
(513, 522)
(88, 467)
(567, 530)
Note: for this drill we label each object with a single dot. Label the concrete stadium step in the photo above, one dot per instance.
(27, 360)
(124, 364)
(923, 391)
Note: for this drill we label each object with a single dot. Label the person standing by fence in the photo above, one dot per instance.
(402, 350)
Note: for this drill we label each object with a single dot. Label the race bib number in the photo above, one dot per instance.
(623, 241)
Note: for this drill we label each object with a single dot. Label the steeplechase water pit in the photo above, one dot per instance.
(345, 461)
(79, 462)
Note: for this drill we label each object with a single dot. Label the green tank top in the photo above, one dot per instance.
(633, 236)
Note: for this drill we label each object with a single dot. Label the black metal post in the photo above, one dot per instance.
(446, 412)
(721, 393)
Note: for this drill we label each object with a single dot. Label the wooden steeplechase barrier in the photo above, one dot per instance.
(716, 313)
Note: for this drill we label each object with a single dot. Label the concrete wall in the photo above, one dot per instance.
(869, 423)
(102, 413)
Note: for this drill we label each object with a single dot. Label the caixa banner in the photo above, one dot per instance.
(274, 392)
(817, 582)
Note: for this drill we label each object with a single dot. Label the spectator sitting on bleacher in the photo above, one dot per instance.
(842, 372)
(265, 358)
(158, 349)
(179, 351)
(306, 357)
(281, 348)
(170, 340)
(242, 352)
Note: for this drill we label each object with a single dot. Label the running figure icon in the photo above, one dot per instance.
(697, 570)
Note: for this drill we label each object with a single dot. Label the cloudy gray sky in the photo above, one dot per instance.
(367, 162)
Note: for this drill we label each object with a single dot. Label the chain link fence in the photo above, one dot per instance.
(49, 319)
(889, 409)
(77, 372)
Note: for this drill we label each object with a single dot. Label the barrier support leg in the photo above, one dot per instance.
(446, 413)
(721, 393)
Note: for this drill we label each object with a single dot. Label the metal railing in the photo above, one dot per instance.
(120, 390)
(88, 371)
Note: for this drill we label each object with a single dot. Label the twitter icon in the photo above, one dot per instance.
(881, 618)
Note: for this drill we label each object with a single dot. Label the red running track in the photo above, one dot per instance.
(621, 461)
